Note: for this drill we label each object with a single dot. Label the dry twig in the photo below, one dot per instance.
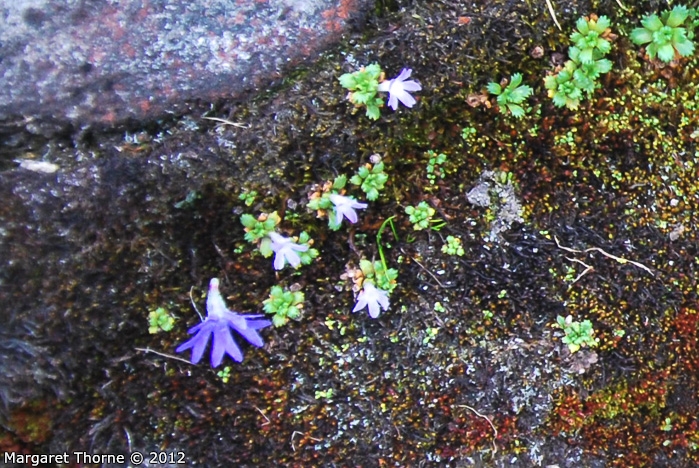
(608, 255)
(495, 436)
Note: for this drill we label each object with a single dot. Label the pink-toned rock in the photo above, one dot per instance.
(104, 62)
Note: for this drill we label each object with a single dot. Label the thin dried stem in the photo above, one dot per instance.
(495, 436)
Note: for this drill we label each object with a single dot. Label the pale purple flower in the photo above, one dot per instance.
(219, 320)
(372, 297)
(346, 206)
(285, 251)
(398, 89)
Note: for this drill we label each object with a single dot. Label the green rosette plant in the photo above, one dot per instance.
(375, 273)
(590, 38)
(259, 229)
(511, 96)
(563, 88)
(284, 304)
(371, 179)
(364, 86)
(420, 215)
(665, 35)
(577, 334)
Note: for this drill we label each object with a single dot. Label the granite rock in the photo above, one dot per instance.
(105, 62)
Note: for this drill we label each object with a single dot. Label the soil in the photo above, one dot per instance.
(593, 216)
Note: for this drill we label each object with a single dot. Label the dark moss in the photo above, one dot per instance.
(108, 239)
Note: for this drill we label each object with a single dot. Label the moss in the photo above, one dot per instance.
(619, 174)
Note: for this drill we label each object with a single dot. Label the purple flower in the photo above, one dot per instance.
(345, 206)
(372, 297)
(398, 89)
(219, 320)
(285, 251)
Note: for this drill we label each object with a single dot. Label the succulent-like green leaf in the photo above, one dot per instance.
(517, 110)
(677, 16)
(685, 47)
(603, 22)
(515, 81)
(266, 247)
(640, 36)
(550, 82)
(666, 52)
(349, 81)
(494, 88)
(339, 182)
(374, 70)
(652, 23)
(521, 93)
(582, 26)
(603, 46)
(373, 112)
(248, 220)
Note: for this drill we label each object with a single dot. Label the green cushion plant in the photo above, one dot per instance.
(587, 63)
(511, 96)
(284, 304)
(577, 334)
(665, 35)
(591, 37)
(364, 86)
(371, 179)
(563, 88)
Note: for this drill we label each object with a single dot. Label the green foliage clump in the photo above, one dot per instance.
(562, 87)
(309, 255)
(375, 273)
(320, 201)
(284, 304)
(511, 96)
(665, 35)
(577, 334)
(454, 246)
(224, 374)
(260, 227)
(363, 86)
(420, 215)
(248, 197)
(580, 74)
(433, 164)
(160, 320)
(589, 38)
(371, 179)
(467, 132)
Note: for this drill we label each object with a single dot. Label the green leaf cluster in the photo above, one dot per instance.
(511, 96)
(260, 227)
(248, 197)
(589, 40)
(665, 35)
(284, 304)
(433, 164)
(160, 320)
(454, 246)
(224, 374)
(577, 334)
(310, 254)
(420, 215)
(371, 179)
(375, 273)
(363, 86)
(324, 203)
(587, 63)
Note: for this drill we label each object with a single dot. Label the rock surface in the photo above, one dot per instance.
(104, 62)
